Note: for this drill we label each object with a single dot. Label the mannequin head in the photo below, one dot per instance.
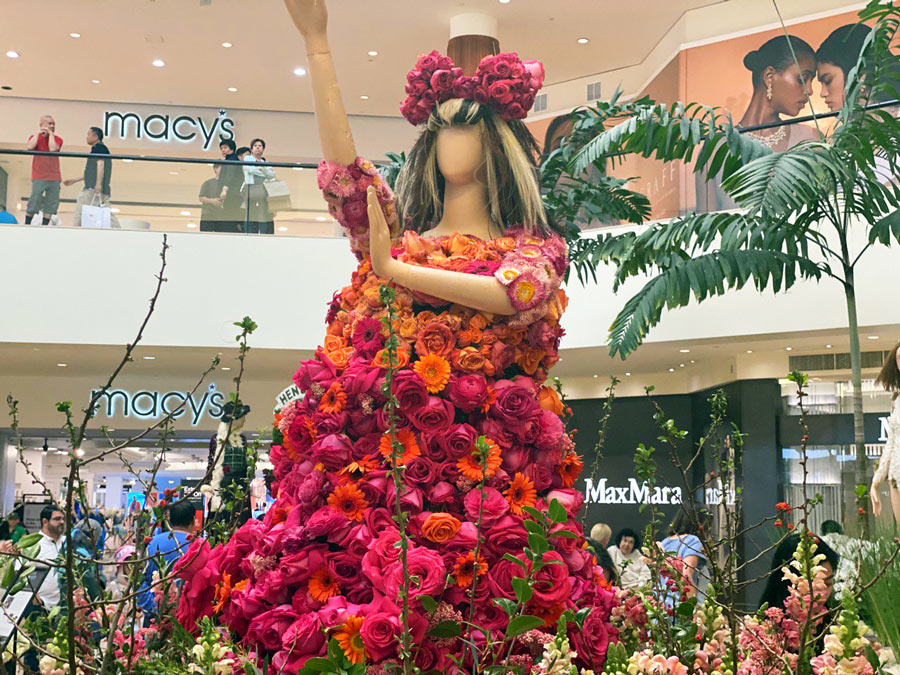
(464, 143)
(889, 377)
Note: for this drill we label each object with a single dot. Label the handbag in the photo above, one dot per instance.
(96, 216)
(279, 195)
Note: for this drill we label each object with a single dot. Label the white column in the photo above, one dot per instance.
(113, 492)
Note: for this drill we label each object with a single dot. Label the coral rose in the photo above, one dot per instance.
(440, 527)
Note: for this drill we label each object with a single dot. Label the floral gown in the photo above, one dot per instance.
(325, 555)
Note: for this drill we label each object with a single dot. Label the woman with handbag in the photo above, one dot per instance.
(259, 219)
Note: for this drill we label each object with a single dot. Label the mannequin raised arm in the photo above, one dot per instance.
(311, 19)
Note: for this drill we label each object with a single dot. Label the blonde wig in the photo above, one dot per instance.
(509, 171)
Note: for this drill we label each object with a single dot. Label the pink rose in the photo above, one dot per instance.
(468, 392)
(506, 536)
(499, 578)
(428, 61)
(335, 611)
(334, 451)
(329, 423)
(536, 70)
(592, 641)
(410, 390)
(242, 607)
(266, 629)
(514, 111)
(539, 474)
(374, 487)
(423, 563)
(552, 430)
(515, 404)
(416, 88)
(360, 378)
(491, 509)
(412, 498)
(570, 498)
(345, 568)
(464, 87)
(420, 471)
(414, 75)
(297, 568)
(501, 92)
(434, 415)
(299, 433)
(319, 370)
(380, 629)
(443, 493)
(326, 522)
(551, 585)
(496, 430)
(457, 441)
(516, 459)
(379, 519)
(441, 80)
(382, 553)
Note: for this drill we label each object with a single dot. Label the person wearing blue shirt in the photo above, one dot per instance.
(6, 218)
(684, 544)
(165, 549)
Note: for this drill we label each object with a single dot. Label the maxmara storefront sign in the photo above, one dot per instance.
(632, 493)
(152, 405)
(166, 128)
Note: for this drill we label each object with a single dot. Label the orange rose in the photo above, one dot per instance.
(425, 318)
(478, 321)
(440, 527)
(381, 359)
(435, 338)
(468, 337)
(505, 244)
(409, 328)
(468, 359)
(332, 343)
(373, 297)
(548, 399)
(340, 357)
(529, 358)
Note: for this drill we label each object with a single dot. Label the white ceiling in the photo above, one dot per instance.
(120, 38)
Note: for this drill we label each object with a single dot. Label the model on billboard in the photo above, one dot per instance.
(783, 70)
(835, 58)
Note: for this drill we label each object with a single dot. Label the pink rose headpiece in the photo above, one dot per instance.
(503, 82)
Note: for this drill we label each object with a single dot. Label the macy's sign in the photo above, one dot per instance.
(633, 493)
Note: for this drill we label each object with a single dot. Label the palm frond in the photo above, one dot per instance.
(702, 277)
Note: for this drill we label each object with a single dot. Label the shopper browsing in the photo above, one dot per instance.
(96, 176)
(259, 219)
(165, 549)
(211, 202)
(53, 524)
(231, 177)
(6, 218)
(45, 176)
(626, 554)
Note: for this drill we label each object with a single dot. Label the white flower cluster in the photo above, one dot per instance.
(209, 658)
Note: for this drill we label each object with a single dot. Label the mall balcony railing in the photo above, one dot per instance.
(164, 193)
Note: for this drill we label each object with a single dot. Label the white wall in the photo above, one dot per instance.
(92, 287)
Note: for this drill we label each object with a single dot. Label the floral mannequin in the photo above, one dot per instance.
(476, 272)
(889, 465)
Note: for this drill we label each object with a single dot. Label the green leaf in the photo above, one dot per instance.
(557, 512)
(506, 605)
(523, 624)
(513, 559)
(445, 629)
(534, 513)
(538, 543)
(523, 589)
(318, 665)
(567, 534)
(428, 603)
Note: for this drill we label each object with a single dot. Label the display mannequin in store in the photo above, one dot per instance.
(476, 271)
(889, 464)
(227, 464)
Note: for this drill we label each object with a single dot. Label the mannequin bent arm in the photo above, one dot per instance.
(311, 18)
(478, 292)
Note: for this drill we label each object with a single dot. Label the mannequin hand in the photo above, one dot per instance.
(875, 498)
(379, 237)
(310, 16)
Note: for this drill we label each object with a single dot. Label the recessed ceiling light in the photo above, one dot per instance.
(225, 368)
(185, 213)
(95, 81)
(504, 2)
(372, 53)
(749, 351)
(787, 349)
(671, 370)
(13, 54)
(159, 63)
(364, 97)
(232, 89)
(321, 218)
(62, 365)
(627, 374)
(173, 173)
(298, 168)
(692, 361)
(149, 358)
(299, 71)
(192, 225)
(685, 351)
(583, 41)
(827, 346)
(872, 337)
(75, 35)
(681, 365)
(227, 45)
(282, 228)
(596, 376)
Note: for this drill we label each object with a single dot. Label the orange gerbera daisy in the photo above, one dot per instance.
(435, 370)
(223, 592)
(323, 585)
(360, 467)
(334, 399)
(350, 640)
(466, 568)
(550, 614)
(407, 439)
(520, 493)
(570, 468)
(349, 500)
(475, 466)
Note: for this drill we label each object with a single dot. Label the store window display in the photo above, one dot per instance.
(476, 270)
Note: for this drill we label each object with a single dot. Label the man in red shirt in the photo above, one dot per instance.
(45, 176)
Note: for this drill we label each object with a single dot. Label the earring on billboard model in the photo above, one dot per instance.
(769, 91)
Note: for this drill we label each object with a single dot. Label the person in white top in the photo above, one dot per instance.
(259, 219)
(53, 524)
(626, 554)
